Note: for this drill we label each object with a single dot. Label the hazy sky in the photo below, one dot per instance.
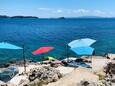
(58, 8)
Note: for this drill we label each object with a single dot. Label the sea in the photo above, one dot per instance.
(36, 33)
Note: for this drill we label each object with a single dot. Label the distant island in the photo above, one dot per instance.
(23, 17)
(5, 16)
(12, 17)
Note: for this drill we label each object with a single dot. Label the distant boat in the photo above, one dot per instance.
(61, 17)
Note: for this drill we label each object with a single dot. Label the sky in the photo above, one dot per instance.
(58, 8)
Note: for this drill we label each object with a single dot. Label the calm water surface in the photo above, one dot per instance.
(34, 33)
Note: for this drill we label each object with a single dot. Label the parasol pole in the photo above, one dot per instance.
(42, 55)
(92, 57)
(67, 54)
(24, 59)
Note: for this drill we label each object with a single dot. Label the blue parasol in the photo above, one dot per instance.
(83, 50)
(5, 45)
(81, 43)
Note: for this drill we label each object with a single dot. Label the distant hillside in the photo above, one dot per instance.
(23, 17)
(4, 16)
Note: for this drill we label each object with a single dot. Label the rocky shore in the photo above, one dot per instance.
(37, 77)
(18, 63)
(102, 73)
(44, 75)
(106, 79)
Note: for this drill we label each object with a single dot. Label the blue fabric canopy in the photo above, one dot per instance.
(83, 50)
(81, 42)
(5, 45)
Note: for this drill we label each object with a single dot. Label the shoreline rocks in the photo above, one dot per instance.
(14, 63)
(44, 75)
(90, 83)
(3, 83)
(109, 69)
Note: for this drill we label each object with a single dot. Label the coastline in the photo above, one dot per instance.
(72, 74)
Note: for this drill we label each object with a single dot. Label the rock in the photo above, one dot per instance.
(54, 65)
(3, 83)
(49, 76)
(109, 69)
(101, 75)
(86, 83)
(36, 82)
(23, 82)
(99, 83)
(104, 83)
(111, 56)
(45, 75)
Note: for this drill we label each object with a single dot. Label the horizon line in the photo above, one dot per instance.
(87, 16)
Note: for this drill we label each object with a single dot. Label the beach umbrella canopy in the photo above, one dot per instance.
(50, 58)
(5, 45)
(83, 50)
(42, 50)
(81, 42)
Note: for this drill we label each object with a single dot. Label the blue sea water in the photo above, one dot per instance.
(35, 33)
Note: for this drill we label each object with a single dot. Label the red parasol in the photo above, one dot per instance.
(42, 50)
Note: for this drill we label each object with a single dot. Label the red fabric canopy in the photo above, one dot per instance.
(42, 50)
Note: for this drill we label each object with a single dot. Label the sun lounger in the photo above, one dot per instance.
(76, 64)
(8, 74)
